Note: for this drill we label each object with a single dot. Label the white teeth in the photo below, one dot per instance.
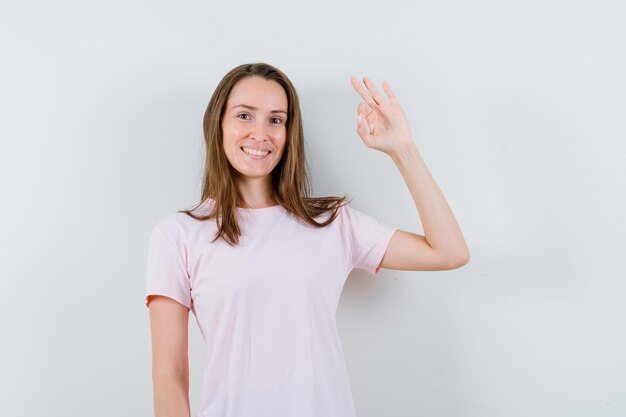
(254, 151)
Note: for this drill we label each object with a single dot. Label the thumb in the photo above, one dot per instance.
(362, 129)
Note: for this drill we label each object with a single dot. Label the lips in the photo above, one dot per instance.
(253, 156)
(256, 148)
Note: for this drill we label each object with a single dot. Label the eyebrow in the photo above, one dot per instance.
(254, 108)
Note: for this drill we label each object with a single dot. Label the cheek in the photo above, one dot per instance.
(236, 131)
(230, 131)
(282, 139)
(229, 141)
(230, 136)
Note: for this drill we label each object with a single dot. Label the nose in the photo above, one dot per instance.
(259, 131)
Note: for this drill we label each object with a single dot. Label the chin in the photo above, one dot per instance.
(253, 174)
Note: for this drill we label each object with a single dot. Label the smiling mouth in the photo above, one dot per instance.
(254, 154)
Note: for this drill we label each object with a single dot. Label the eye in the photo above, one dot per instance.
(277, 118)
(243, 114)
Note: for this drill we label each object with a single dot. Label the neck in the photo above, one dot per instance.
(257, 192)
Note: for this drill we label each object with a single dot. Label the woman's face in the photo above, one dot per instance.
(254, 121)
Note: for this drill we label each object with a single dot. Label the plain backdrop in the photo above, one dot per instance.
(518, 109)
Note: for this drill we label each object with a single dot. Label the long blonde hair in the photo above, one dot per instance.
(290, 180)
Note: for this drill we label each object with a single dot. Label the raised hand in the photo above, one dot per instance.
(387, 127)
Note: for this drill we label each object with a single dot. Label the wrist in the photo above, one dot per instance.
(404, 152)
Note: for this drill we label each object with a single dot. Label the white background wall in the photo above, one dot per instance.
(518, 109)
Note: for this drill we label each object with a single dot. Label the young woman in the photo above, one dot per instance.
(261, 264)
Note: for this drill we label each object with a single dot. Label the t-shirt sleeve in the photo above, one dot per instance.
(368, 239)
(166, 270)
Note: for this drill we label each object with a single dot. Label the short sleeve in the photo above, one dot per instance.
(368, 239)
(166, 271)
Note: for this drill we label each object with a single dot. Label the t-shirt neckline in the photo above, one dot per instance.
(269, 209)
(260, 210)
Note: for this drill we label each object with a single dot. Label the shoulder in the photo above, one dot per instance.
(175, 225)
(359, 222)
(342, 212)
(348, 214)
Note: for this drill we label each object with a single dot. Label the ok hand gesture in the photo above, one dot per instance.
(389, 129)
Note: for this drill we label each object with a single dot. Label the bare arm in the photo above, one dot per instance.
(169, 322)
(388, 130)
(443, 246)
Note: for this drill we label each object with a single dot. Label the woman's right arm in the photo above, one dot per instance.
(169, 321)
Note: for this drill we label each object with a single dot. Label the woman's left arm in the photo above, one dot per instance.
(442, 247)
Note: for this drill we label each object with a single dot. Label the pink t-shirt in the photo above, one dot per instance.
(266, 308)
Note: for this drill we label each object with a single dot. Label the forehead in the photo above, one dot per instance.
(258, 92)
